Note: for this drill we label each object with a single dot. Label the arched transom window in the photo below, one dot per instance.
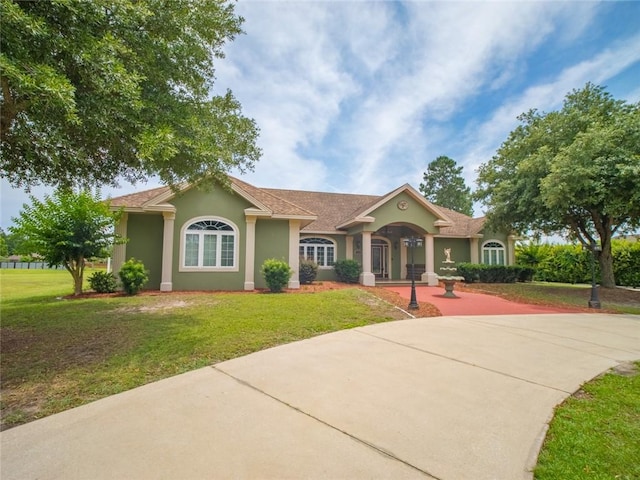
(320, 250)
(493, 253)
(209, 244)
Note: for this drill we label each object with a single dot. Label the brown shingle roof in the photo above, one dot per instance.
(463, 226)
(276, 204)
(138, 199)
(331, 209)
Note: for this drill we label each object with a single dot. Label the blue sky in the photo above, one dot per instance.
(360, 96)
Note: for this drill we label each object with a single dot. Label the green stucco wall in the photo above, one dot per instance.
(217, 203)
(415, 214)
(460, 251)
(145, 244)
(272, 241)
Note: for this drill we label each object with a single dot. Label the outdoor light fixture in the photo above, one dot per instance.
(412, 243)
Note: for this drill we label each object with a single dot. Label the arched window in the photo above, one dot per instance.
(493, 253)
(320, 250)
(209, 244)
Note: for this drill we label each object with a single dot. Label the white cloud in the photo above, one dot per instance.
(360, 96)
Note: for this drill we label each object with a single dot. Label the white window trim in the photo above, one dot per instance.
(236, 245)
(504, 250)
(333, 242)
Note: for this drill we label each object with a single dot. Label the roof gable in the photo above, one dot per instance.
(442, 218)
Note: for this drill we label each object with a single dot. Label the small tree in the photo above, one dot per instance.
(67, 228)
(276, 273)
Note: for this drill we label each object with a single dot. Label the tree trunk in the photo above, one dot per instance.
(605, 259)
(76, 269)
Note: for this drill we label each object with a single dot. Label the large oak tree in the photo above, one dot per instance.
(101, 89)
(575, 171)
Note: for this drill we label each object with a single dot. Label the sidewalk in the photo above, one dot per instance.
(445, 398)
(469, 303)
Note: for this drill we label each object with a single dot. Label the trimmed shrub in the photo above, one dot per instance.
(469, 271)
(473, 272)
(307, 271)
(103, 282)
(347, 271)
(133, 276)
(526, 273)
(276, 273)
(626, 262)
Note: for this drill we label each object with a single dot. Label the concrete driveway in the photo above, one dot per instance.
(448, 398)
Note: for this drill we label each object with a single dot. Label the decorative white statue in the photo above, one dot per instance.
(447, 254)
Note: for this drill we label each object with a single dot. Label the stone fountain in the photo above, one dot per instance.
(449, 278)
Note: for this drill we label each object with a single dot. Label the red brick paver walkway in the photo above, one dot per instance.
(469, 303)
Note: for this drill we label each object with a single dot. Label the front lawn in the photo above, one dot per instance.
(58, 353)
(595, 434)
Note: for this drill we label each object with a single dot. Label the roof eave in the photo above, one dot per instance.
(356, 221)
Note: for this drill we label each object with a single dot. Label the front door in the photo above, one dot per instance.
(379, 259)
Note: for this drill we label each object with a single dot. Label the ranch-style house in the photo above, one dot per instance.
(218, 239)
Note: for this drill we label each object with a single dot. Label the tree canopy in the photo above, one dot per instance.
(101, 89)
(67, 228)
(575, 171)
(445, 186)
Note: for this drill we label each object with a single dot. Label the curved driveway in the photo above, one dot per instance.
(447, 398)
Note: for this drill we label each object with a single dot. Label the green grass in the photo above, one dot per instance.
(58, 353)
(596, 433)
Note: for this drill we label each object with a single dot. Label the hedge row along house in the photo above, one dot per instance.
(218, 239)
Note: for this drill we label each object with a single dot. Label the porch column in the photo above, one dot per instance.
(474, 255)
(429, 274)
(120, 251)
(403, 260)
(348, 254)
(367, 278)
(294, 253)
(250, 253)
(166, 283)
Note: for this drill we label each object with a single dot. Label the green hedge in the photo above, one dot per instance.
(572, 263)
(473, 272)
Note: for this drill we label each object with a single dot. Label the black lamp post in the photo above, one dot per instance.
(594, 301)
(412, 243)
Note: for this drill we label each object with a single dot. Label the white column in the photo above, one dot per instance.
(474, 255)
(166, 283)
(511, 250)
(403, 260)
(250, 253)
(120, 251)
(348, 254)
(429, 274)
(366, 277)
(294, 253)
